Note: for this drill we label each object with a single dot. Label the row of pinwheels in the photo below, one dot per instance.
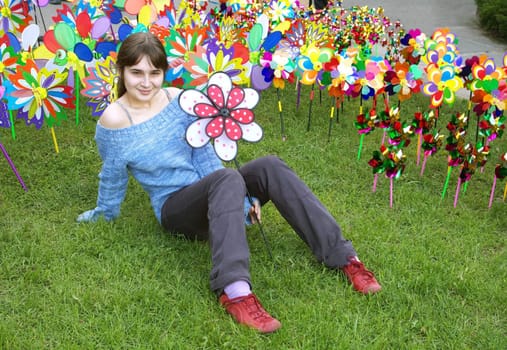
(259, 44)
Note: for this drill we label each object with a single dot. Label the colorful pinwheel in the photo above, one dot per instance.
(99, 85)
(38, 95)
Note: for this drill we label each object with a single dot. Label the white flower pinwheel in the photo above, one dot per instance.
(224, 114)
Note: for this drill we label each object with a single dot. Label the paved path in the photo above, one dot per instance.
(428, 15)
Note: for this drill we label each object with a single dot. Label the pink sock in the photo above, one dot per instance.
(237, 289)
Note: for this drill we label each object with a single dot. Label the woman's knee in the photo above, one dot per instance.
(230, 178)
(271, 162)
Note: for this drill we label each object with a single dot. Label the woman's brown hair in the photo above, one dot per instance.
(132, 51)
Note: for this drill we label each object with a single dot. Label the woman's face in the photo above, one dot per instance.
(142, 80)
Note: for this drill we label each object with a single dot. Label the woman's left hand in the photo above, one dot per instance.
(255, 212)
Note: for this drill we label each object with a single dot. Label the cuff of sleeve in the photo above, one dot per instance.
(90, 216)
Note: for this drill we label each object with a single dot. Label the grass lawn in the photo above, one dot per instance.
(128, 284)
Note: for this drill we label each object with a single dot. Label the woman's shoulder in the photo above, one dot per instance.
(172, 92)
(114, 117)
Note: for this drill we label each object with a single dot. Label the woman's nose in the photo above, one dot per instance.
(146, 80)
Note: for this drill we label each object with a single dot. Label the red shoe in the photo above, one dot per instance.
(248, 310)
(362, 280)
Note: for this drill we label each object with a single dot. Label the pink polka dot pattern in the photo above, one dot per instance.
(204, 110)
(216, 95)
(215, 127)
(243, 115)
(236, 96)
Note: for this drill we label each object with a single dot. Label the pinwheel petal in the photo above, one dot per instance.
(251, 99)
(216, 95)
(205, 110)
(223, 80)
(225, 148)
(243, 115)
(251, 132)
(196, 133)
(236, 96)
(215, 127)
(232, 130)
(189, 98)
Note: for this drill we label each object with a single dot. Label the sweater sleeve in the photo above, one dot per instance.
(113, 181)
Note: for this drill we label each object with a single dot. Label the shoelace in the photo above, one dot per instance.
(254, 308)
(358, 267)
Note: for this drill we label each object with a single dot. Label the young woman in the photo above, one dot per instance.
(192, 193)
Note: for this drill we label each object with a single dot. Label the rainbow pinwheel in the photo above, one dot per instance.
(99, 85)
(14, 16)
(311, 62)
(443, 67)
(224, 113)
(404, 80)
(278, 68)
(443, 82)
(38, 94)
(343, 74)
(178, 45)
(488, 85)
(414, 46)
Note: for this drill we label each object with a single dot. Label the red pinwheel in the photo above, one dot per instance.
(224, 114)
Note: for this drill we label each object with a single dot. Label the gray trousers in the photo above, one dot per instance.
(213, 209)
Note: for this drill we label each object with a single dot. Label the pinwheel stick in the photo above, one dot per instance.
(13, 167)
(250, 200)
(456, 194)
(13, 130)
(298, 97)
(391, 185)
(338, 105)
(361, 139)
(423, 166)
(55, 142)
(446, 184)
(312, 93)
(76, 91)
(282, 125)
(331, 116)
(419, 140)
(492, 193)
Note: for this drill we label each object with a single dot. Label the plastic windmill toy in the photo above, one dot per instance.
(224, 117)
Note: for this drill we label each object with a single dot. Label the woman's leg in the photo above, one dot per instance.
(269, 178)
(213, 208)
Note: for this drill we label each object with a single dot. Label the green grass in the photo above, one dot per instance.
(128, 284)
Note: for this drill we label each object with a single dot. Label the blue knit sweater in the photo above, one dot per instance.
(157, 155)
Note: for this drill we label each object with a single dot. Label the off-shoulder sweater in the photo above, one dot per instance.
(156, 154)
